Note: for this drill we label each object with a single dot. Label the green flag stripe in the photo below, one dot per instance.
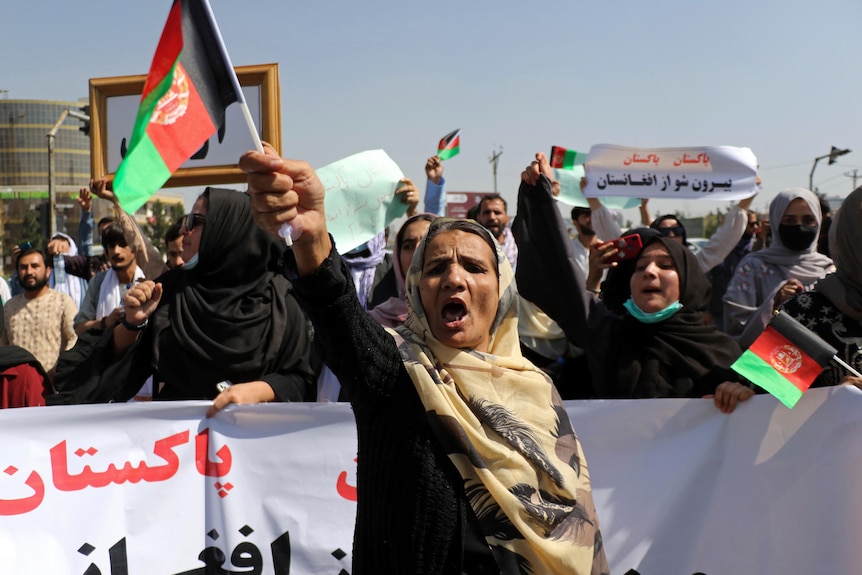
(756, 370)
(148, 104)
(148, 173)
(449, 152)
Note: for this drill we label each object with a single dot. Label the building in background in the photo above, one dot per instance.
(24, 127)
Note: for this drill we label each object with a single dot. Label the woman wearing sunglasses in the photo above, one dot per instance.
(223, 327)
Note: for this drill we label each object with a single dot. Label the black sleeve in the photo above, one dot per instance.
(88, 373)
(78, 266)
(547, 274)
(385, 285)
(294, 380)
(355, 347)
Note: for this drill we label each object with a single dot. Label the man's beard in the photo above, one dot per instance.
(496, 230)
(36, 286)
(585, 231)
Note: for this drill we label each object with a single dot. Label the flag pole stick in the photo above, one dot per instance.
(249, 121)
(843, 364)
(286, 230)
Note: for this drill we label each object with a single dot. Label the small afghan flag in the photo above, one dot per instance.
(191, 82)
(450, 145)
(785, 359)
(566, 159)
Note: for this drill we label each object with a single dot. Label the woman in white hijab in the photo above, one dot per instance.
(767, 278)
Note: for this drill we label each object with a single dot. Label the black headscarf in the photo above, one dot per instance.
(655, 225)
(679, 357)
(231, 316)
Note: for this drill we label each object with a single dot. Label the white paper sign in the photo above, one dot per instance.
(708, 173)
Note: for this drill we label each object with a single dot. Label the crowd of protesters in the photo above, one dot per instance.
(484, 324)
(60, 299)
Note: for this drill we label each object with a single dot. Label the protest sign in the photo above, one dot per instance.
(711, 172)
(133, 489)
(360, 197)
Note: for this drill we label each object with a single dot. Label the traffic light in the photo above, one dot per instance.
(833, 155)
(85, 124)
(42, 218)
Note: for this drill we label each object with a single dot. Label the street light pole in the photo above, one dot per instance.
(52, 192)
(833, 155)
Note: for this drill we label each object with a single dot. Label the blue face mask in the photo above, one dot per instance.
(193, 261)
(654, 317)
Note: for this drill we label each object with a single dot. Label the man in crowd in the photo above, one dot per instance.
(103, 305)
(582, 218)
(40, 319)
(492, 215)
(174, 246)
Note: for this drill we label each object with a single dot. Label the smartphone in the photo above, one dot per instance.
(25, 246)
(628, 247)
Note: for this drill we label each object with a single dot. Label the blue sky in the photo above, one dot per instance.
(779, 77)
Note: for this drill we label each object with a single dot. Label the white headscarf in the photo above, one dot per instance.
(807, 266)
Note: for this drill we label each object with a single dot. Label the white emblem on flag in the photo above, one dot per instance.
(786, 359)
(173, 105)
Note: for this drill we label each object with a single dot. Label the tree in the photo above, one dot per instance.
(163, 217)
(712, 220)
(31, 229)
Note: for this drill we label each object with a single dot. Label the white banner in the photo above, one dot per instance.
(710, 172)
(680, 488)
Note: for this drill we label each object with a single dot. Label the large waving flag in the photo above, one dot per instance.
(190, 83)
(450, 145)
(785, 360)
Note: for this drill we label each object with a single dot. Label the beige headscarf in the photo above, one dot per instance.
(507, 433)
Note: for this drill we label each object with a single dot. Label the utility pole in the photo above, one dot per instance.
(494, 160)
(854, 176)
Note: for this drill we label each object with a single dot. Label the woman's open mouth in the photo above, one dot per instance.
(453, 313)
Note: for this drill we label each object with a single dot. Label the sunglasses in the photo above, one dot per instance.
(677, 231)
(189, 221)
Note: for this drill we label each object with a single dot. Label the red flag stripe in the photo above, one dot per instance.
(792, 363)
(168, 51)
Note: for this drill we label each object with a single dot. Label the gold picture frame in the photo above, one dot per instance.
(110, 124)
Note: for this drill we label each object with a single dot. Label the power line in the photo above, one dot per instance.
(803, 163)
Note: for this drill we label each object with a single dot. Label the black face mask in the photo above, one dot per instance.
(797, 238)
